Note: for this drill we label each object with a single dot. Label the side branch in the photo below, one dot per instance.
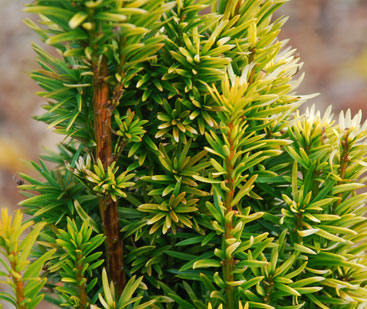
(18, 284)
(228, 263)
(108, 208)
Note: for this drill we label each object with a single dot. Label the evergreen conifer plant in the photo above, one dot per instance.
(187, 177)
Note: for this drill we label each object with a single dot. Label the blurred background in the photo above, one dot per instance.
(330, 35)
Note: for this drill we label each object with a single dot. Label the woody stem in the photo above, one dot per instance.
(229, 262)
(103, 110)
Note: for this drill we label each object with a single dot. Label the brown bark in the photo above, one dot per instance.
(108, 208)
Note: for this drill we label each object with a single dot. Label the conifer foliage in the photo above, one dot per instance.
(187, 177)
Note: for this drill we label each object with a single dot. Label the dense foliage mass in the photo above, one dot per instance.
(184, 153)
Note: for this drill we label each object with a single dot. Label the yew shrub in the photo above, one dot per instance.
(187, 177)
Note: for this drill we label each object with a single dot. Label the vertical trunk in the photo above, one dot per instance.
(108, 208)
